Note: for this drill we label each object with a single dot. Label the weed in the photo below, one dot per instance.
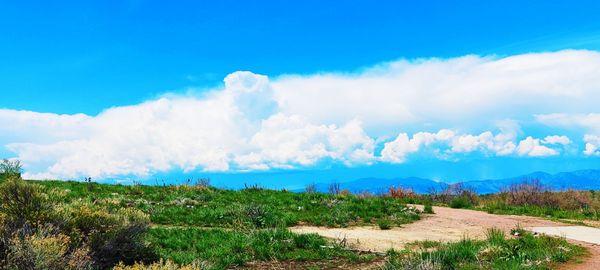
(384, 224)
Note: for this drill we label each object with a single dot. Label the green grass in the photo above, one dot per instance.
(225, 248)
(249, 208)
(225, 228)
(539, 211)
(496, 252)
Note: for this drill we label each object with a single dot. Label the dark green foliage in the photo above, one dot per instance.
(23, 204)
(428, 208)
(38, 231)
(9, 168)
(384, 224)
(460, 202)
(112, 236)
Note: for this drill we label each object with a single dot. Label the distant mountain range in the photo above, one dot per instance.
(582, 180)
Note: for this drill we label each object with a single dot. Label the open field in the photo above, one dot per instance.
(85, 225)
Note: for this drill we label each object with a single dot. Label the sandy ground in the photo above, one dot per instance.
(447, 225)
(579, 233)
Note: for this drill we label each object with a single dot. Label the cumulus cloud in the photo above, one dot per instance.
(449, 142)
(588, 123)
(223, 130)
(284, 142)
(397, 150)
(294, 121)
(449, 91)
(532, 147)
(592, 145)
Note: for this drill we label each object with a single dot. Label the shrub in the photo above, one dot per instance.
(23, 203)
(460, 202)
(160, 265)
(458, 195)
(574, 200)
(334, 188)
(428, 208)
(202, 183)
(310, 189)
(384, 224)
(112, 237)
(260, 216)
(45, 249)
(10, 168)
(37, 233)
(528, 193)
(401, 193)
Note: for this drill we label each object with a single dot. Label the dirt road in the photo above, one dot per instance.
(445, 225)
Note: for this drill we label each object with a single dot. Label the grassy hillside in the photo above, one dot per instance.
(203, 206)
(85, 225)
(223, 228)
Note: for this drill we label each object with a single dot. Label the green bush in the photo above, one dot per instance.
(39, 233)
(260, 216)
(460, 202)
(10, 168)
(428, 208)
(23, 203)
(112, 236)
(45, 249)
(384, 224)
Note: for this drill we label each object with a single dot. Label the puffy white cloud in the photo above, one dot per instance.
(449, 142)
(223, 130)
(588, 123)
(555, 139)
(592, 145)
(397, 150)
(252, 123)
(287, 141)
(532, 147)
(500, 144)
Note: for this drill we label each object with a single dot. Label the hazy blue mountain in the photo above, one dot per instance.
(381, 185)
(583, 179)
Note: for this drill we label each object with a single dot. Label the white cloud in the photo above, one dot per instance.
(555, 139)
(532, 147)
(288, 141)
(589, 122)
(455, 91)
(397, 150)
(592, 145)
(302, 121)
(501, 144)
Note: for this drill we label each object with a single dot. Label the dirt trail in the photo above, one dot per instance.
(445, 225)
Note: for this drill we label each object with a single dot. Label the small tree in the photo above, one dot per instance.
(10, 168)
(334, 188)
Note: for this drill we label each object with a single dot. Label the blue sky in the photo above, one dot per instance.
(84, 57)
(76, 61)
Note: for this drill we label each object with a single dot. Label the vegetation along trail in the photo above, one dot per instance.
(446, 225)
